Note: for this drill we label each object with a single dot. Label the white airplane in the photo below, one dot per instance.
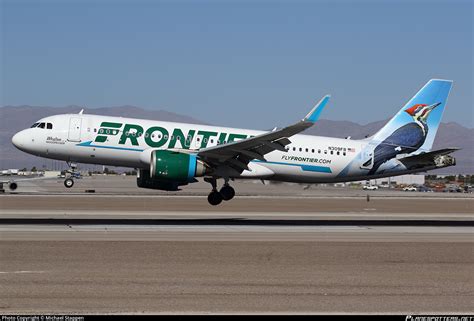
(169, 155)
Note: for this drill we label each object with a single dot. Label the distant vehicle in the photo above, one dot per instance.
(410, 189)
(371, 187)
(425, 189)
(453, 189)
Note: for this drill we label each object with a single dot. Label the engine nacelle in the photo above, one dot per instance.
(145, 181)
(175, 166)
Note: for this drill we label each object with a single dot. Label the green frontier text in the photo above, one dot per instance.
(157, 136)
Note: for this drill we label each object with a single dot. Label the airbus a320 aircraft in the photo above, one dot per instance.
(169, 155)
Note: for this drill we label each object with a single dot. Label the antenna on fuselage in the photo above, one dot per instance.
(82, 110)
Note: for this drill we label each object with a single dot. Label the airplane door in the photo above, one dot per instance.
(75, 129)
(368, 157)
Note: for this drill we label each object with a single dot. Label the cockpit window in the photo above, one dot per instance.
(49, 126)
(41, 125)
(34, 125)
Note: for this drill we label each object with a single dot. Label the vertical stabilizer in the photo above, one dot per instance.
(416, 124)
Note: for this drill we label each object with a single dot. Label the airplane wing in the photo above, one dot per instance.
(238, 154)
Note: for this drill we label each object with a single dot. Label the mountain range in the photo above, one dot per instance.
(16, 118)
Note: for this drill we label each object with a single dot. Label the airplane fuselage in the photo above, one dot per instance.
(128, 142)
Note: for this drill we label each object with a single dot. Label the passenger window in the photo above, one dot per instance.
(301, 149)
(338, 153)
(41, 125)
(306, 150)
(332, 152)
(49, 126)
(344, 153)
(312, 151)
(319, 151)
(325, 152)
(294, 149)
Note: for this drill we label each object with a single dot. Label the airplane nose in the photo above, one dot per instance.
(19, 139)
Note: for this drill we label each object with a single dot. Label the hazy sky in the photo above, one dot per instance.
(254, 64)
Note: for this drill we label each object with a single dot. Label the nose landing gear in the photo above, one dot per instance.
(69, 181)
(215, 197)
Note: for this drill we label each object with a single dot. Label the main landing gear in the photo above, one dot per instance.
(215, 197)
(69, 181)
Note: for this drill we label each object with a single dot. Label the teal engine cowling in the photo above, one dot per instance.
(169, 170)
(175, 166)
(145, 181)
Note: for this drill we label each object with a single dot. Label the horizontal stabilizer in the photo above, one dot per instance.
(437, 158)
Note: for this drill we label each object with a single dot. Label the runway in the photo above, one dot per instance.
(245, 277)
(146, 254)
(288, 204)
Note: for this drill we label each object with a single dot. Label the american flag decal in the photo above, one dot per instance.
(351, 150)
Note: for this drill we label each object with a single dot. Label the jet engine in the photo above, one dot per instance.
(175, 166)
(145, 181)
(169, 170)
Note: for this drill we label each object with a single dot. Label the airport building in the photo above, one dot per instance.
(414, 179)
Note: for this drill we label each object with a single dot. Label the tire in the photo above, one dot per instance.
(214, 198)
(69, 182)
(227, 193)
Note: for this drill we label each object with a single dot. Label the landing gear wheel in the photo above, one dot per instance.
(227, 192)
(214, 198)
(68, 182)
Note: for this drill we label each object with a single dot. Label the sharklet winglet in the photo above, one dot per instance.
(314, 114)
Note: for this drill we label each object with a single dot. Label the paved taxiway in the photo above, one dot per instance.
(143, 253)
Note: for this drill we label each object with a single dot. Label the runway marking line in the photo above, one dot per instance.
(21, 272)
(359, 197)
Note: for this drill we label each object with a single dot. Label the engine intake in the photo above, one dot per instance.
(175, 166)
